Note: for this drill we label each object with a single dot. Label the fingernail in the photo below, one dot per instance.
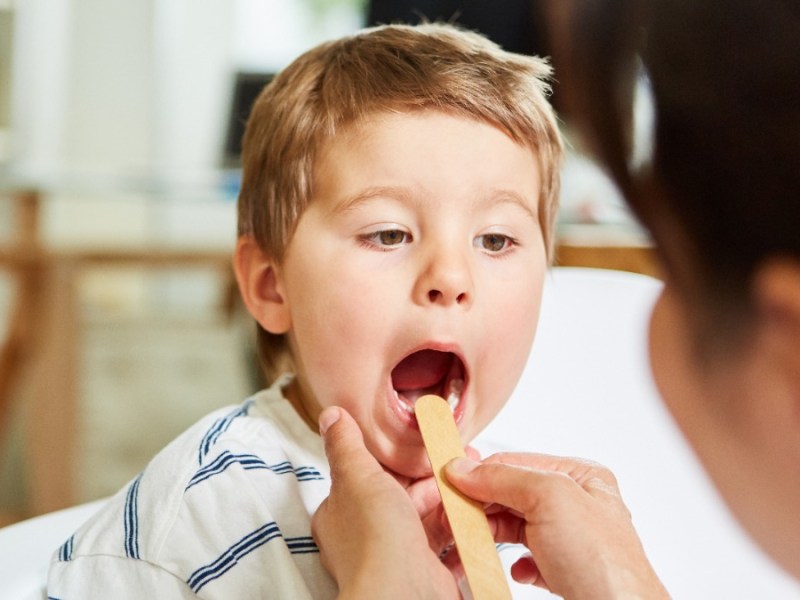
(328, 417)
(461, 465)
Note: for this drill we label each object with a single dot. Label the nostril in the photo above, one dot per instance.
(437, 296)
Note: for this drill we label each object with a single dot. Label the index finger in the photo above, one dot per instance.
(579, 470)
(521, 481)
(513, 486)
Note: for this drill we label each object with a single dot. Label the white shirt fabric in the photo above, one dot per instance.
(224, 511)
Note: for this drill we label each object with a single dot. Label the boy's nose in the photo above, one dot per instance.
(446, 279)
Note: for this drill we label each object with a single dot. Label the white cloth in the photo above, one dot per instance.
(224, 511)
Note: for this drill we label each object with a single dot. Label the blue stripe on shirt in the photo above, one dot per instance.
(250, 462)
(302, 545)
(219, 427)
(131, 518)
(231, 556)
(307, 474)
(65, 551)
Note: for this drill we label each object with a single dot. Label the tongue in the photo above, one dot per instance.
(423, 369)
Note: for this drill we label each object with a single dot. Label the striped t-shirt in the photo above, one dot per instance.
(224, 511)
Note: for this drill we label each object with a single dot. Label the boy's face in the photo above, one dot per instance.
(417, 268)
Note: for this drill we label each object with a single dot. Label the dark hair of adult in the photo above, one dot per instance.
(721, 194)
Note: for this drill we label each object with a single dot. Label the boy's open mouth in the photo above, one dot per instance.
(428, 372)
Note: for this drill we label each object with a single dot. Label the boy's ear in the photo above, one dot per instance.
(777, 294)
(261, 286)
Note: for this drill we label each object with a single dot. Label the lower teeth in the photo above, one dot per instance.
(403, 404)
(454, 391)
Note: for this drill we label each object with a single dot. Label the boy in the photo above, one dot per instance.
(395, 224)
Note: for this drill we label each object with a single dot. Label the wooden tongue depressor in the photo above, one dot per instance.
(474, 541)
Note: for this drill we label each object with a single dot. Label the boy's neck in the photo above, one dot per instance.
(295, 393)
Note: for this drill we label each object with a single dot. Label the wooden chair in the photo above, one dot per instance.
(40, 357)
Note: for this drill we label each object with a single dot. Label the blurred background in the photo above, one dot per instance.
(120, 123)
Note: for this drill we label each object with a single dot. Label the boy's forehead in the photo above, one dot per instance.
(359, 129)
(364, 125)
(360, 145)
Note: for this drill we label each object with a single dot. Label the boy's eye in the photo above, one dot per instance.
(388, 237)
(493, 242)
(392, 237)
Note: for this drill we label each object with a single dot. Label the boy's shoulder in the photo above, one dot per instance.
(237, 470)
(263, 433)
(265, 424)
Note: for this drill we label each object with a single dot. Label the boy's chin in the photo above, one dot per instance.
(406, 471)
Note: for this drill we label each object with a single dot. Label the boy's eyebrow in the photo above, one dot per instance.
(506, 196)
(496, 196)
(399, 193)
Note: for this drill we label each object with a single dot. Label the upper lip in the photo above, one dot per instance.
(437, 346)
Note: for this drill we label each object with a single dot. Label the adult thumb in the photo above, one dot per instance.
(344, 443)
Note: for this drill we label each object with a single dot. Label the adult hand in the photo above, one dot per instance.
(570, 515)
(424, 494)
(368, 530)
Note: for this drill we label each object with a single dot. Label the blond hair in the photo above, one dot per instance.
(388, 68)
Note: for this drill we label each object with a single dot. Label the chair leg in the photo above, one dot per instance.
(52, 416)
(12, 359)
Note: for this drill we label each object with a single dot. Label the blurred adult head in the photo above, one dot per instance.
(720, 196)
